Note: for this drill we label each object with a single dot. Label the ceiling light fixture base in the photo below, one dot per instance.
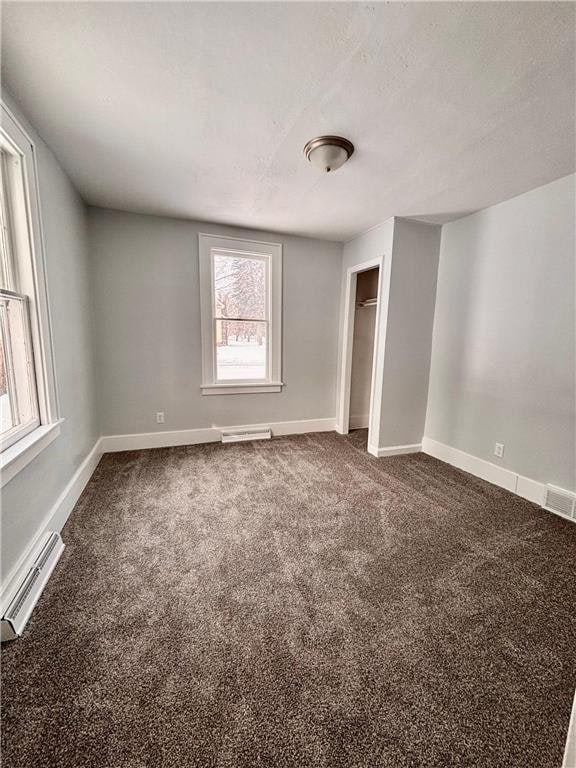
(328, 152)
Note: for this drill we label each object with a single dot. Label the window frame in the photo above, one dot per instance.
(271, 254)
(18, 431)
(29, 281)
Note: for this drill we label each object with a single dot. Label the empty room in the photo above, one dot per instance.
(287, 385)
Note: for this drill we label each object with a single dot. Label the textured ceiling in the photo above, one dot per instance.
(201, 110)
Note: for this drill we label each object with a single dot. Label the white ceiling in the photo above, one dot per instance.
(201, 110)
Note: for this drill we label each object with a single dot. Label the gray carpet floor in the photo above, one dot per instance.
(297, 603)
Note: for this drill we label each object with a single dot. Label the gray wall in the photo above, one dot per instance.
(409, 332)
(407, 292)
(368, 245)
(503, 349)
(375, 243)
(29, 496)
(145, 278)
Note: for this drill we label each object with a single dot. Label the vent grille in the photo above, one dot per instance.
(560, 501)
(230, 436)
(22, 595)
(47, 551)
(23, 602)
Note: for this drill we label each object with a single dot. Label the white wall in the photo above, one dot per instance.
(504, 335)
(145, 276)
(29, 496)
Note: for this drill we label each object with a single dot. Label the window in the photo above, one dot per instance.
(28, 412)
(240, 295)
(18, 395)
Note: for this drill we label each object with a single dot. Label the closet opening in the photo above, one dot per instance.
(360, 378)
(366, 302)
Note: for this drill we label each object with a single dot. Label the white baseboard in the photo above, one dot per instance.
(140, 440)
(479, 467)
(143, 440)
(54, 521)
(393, 450)
(529, 489)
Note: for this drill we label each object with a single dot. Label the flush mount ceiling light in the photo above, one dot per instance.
(328, 152)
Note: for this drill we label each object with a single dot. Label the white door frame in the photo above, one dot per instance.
(345, 372)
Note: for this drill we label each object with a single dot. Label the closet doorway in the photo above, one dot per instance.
(358, 408)
(363, 348)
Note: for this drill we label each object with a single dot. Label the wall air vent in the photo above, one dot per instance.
(30, 589)
(560, 501)
(231, 436)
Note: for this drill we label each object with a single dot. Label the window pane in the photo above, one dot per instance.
(241, 350)
(6, 421)
(18, 402)
(239, 287)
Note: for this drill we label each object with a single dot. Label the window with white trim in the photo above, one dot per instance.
(28, 405)
(240, 297)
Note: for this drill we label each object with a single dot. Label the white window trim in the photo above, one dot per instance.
(19, 431)
(17, 456)
(13, 459)
(273, 251)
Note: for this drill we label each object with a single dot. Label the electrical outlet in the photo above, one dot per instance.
(160, 417)
(499, 450)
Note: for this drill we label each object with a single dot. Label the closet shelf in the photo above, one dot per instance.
(367, 303)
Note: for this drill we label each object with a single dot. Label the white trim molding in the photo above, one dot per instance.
(238, 389)
(529, 489)
(393, 450)
(475, 466)
(145, 440)
(17, 456)
(54, 521)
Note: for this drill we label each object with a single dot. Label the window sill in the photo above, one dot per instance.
(19, 455)
(241, 389)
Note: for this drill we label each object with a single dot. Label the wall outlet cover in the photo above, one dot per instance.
(499, 450)
(160, 417)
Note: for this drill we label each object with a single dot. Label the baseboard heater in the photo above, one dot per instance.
(26, 597)
(232, 436)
